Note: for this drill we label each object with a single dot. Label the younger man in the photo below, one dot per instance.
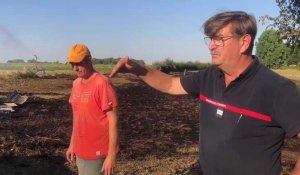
(95, 134)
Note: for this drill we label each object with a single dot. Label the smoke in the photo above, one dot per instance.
(12, 47)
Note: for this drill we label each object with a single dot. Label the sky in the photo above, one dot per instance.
(152, 30)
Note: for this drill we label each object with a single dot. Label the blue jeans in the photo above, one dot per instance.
(89, 167)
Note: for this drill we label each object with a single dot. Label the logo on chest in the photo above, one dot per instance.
(219, 112)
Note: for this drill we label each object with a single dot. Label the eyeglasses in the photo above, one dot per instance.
(218, 40)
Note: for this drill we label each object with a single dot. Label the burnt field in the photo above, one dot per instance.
(158, 132)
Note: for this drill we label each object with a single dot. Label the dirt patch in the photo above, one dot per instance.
(158, 132)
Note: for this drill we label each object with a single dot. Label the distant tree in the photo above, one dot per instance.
(114, 60)
(294, 56)
(288, 22)
(32, 61)
(97, 61)
(108, 60)
(16, 61)
(140, 61)
(111, 60)
(168, 65)
(271, 50)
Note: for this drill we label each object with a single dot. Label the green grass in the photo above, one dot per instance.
(48, 67)
(29, 66)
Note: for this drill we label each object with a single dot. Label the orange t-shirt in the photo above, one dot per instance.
(90, 101)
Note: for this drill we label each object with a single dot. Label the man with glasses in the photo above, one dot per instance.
(246, 109)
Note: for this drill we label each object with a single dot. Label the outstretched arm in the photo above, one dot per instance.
(154, 78)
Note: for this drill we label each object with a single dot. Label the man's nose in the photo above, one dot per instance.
(212, 45)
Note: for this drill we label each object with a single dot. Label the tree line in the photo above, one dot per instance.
(279, 44)
(109, 60)
(274, 52)
(168, 65)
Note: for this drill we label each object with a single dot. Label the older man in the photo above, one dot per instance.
(246, 109)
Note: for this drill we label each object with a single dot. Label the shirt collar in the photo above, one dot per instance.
(251, 69)
(248, 71)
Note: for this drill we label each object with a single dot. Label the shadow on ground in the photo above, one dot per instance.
(34, 165)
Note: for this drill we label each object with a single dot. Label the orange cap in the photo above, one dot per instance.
(77, 53)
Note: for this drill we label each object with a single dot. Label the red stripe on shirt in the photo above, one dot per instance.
(236, 109)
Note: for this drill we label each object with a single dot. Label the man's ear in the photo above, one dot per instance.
(245, 43)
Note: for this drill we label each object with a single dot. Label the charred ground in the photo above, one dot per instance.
(158, 132)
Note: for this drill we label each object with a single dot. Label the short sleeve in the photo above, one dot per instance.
(191, 83)
(287, 108)
(108, 98)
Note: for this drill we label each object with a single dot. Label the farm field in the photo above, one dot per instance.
(158, 132)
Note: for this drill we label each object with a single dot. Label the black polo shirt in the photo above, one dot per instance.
(242, 126)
